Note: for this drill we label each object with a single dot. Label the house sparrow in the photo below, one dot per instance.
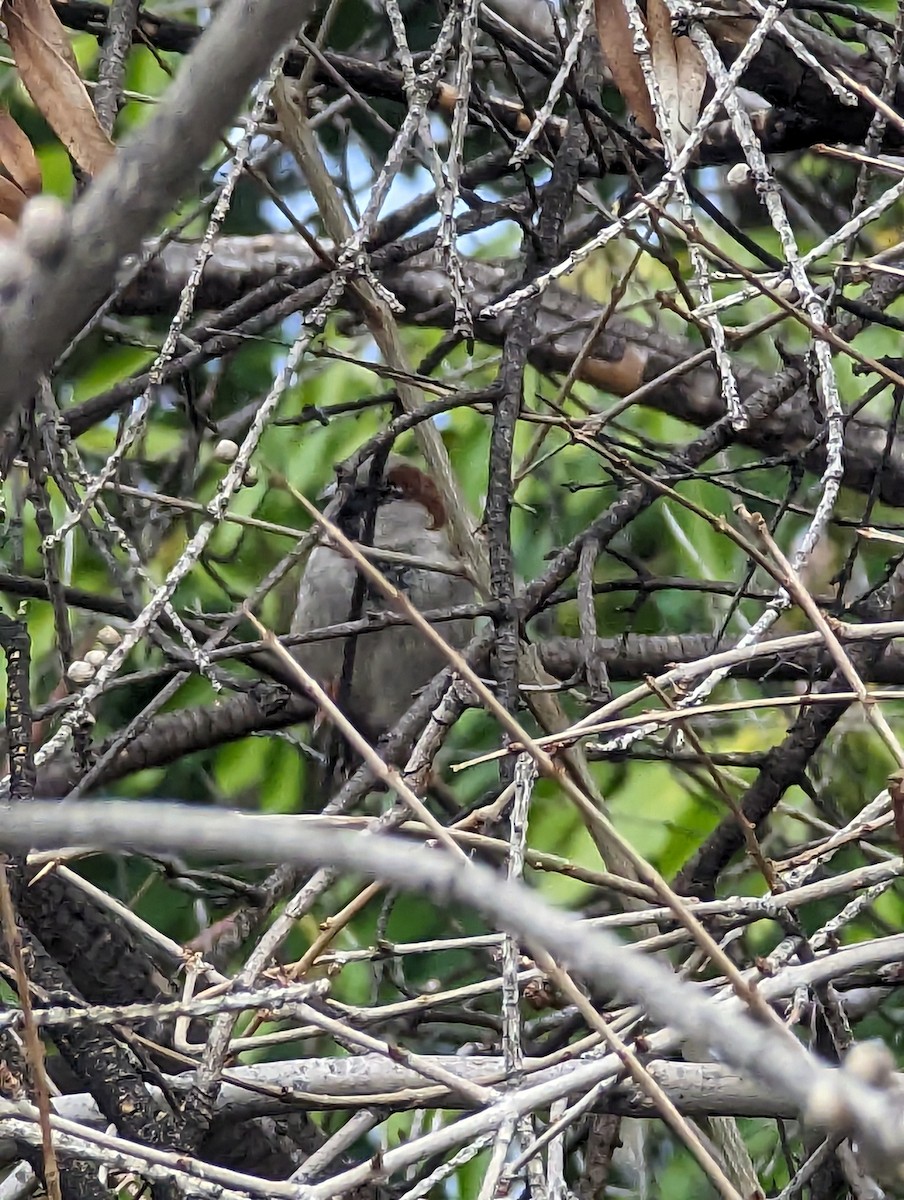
(390, 666)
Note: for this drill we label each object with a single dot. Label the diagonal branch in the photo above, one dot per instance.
(142, 183)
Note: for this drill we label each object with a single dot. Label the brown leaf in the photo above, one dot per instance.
(692, 77)
(617, 45)
(8, 229)
(17, 157)
(665, 61)
(677, 64)
(12, 199)
(49, 72)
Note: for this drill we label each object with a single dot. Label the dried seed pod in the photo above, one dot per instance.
(225, 451)
(80, 672)
(739, 173)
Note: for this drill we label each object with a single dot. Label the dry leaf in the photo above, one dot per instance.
(12, 199)
(665, 60)
(617, 45)
(692, 77)
(49, 72)
(677, 64)
(17, 156)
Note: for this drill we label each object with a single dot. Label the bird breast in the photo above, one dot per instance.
(390, 665)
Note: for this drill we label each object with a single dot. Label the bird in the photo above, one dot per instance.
(375, 680)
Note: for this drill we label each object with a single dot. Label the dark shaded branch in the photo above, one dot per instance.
(782, 767)
(121, 20)
(189, 731)
(105, 1065)
(17, 648)
(666, 371)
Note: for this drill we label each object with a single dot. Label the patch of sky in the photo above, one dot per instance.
(260, 144)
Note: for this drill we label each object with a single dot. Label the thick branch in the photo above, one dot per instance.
(766, 1053)
(319, 1084)
(626, 357)
(145, 179)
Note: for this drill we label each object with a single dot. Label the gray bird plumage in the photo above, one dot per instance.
(390, 666)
